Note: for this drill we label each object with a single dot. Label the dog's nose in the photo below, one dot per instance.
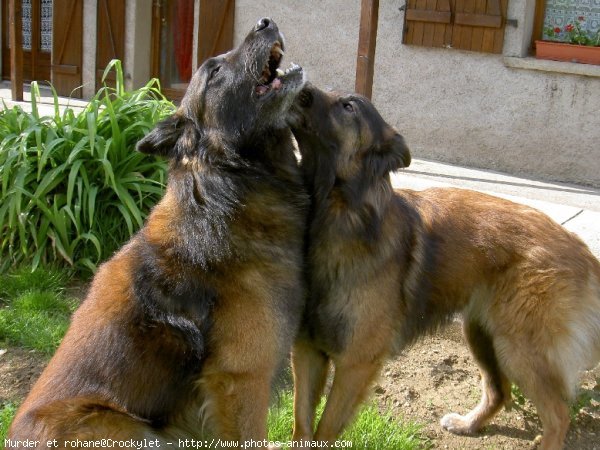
(263, 24)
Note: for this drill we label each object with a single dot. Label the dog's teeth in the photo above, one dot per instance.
(278, 50)
(280, 72)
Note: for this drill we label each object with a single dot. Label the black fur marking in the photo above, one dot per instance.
(174, 137)
(387, 157)
(482, 346)
(422, 313)
(182, 304)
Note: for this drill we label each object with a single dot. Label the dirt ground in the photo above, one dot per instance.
(438, 375)
(432, 378)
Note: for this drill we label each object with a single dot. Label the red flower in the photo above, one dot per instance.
(581, 18)
(557, 30)
(569, 28)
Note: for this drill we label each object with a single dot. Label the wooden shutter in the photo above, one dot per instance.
(476, 25)
(110, 37)
(428, 23)
(479, 25)
(215, 28)
(67, 43)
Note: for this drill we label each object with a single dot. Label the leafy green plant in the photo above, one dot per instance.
(371, 430)
(72, 187)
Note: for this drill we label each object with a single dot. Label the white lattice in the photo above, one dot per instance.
(46, 26)
(561, 12)
(26, 25)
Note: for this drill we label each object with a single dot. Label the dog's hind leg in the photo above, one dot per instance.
(494, 383)
(554, 414)
(544, 385)
(84, 419)
(310, 374)
(351, 383)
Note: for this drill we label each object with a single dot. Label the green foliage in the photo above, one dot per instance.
(574, 32)
(21, 280)
(7, 413)
(72, 187)
(371, 430)
(36, 312)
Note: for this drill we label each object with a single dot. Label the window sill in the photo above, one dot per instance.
(531, 63)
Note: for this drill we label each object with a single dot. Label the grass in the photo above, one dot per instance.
(7, 413)
(34, 314)
(34, 311)
(371, 430)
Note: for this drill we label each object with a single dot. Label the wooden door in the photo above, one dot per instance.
(37, 36)
(110, 37)
(172, 39)
(67, 47)
(215, 28)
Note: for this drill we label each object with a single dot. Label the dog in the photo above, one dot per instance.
(386, 267)
(200, 309)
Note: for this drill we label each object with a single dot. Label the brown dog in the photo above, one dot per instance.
(386, 267)
(200, 308)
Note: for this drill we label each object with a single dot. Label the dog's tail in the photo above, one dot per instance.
(586, 328)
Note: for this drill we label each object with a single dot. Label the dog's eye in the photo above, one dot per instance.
(348, 106)
(214, 72)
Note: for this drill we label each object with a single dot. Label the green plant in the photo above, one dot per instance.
(72, 188)
(35, 315)
(371, 430)
(21, 280)
(573, 33)
(7, 413)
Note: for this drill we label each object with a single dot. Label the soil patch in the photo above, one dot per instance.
(438, 375)
(19, 369)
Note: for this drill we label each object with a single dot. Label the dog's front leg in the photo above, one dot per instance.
(350, 386)
(310, 367)
(237, 406)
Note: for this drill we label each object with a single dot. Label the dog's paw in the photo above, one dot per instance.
(457, 424)
(537, 442)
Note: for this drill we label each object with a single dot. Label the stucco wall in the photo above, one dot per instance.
(452, 106)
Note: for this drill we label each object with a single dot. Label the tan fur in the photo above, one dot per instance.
(386, 267)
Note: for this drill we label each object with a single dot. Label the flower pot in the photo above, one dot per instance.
(560, 51)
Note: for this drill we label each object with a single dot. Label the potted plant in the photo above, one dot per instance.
(572, 43)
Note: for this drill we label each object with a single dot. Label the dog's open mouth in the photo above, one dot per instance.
(272, 77)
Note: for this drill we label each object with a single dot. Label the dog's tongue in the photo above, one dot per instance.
(262, 89)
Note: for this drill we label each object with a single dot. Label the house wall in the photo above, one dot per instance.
(453, 106)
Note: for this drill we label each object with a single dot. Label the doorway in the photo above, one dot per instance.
(37, 40)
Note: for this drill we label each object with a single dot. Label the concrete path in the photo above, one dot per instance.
(575, 207)
(45, 104)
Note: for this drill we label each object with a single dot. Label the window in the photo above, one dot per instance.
(476, 25)
(184, 34)
(556, 14)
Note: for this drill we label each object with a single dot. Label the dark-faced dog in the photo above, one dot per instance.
(386, 267)
(189, 321)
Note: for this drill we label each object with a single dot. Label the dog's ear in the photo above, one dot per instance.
(391, 155)
(174, 136)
